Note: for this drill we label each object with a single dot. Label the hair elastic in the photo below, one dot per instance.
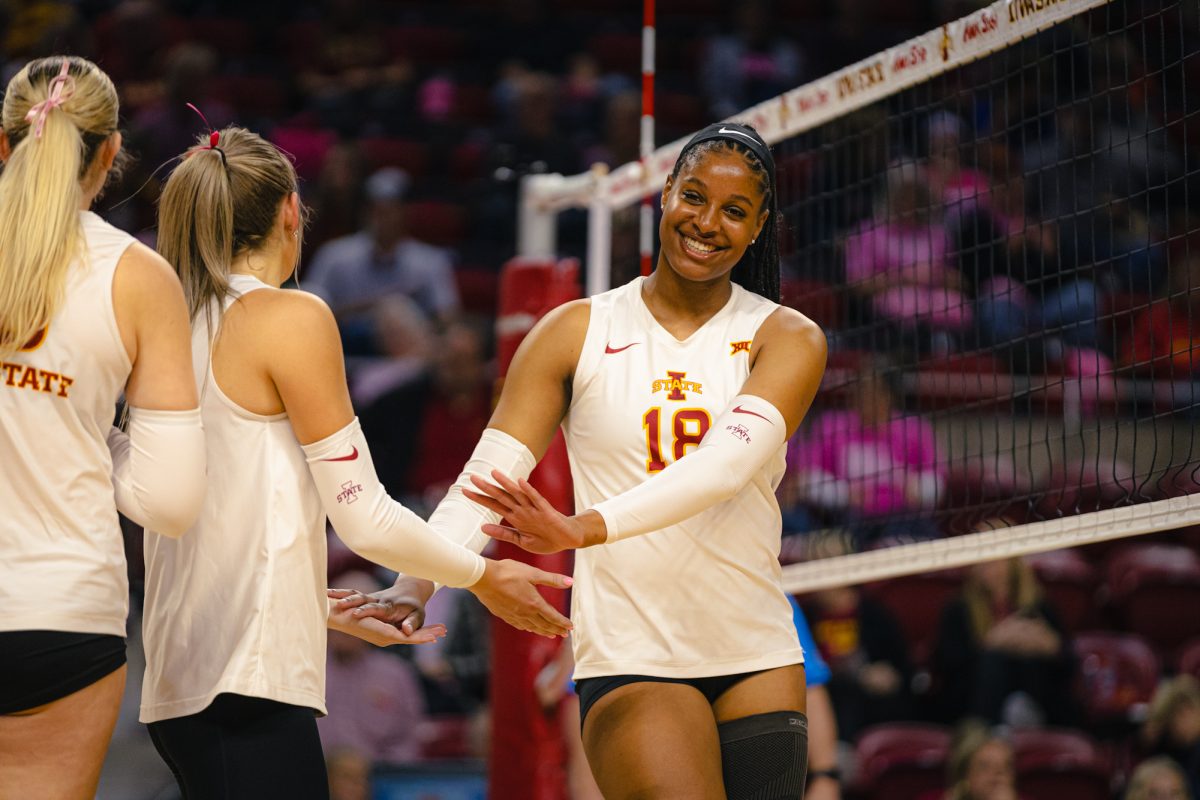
(214, 136)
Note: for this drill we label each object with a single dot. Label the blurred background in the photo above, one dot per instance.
(1037, 206)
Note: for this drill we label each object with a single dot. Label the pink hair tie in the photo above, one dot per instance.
(61, 89)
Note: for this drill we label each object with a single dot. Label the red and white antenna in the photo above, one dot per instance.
(646, 227)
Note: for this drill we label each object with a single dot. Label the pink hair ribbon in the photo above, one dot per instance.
(61, 89)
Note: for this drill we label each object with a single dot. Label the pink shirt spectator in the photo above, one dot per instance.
(913, 258)
(873, 470)
(375, 708)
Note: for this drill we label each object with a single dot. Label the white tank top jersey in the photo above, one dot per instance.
(62, 562)
(237, 604)
(703, 597)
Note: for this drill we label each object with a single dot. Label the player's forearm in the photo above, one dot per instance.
(740, 442)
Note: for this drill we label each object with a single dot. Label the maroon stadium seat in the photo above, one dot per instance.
(1069, 583)
(1118, 672)
(917, 601)
(902, 760)
(437, 222)
(1054, 764)
(1189, 659)
(1150, 587)
(387, 151)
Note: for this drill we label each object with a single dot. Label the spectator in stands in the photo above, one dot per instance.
(622, 131)
(355, 272)
(870, 467)
(1162, 337)
(1001, 652)
(337, 199)
(980, 766)
(1158, 778)
(1026, 305)
(166, 127)
(960, 188)
(349, 775)
(898, 262)
(864, 647)
(1172, 725)
(445, 410)
(373, 696)
(753, 63)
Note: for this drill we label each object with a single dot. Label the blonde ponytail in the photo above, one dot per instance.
(40, 190)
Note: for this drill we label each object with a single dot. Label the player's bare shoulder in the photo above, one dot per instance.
(143, 276)
(560, 334)
(283, 321)
(788, 332)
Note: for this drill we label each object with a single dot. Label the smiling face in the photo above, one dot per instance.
(713, 208)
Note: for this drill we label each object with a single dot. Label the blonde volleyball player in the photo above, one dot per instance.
(676, 393)
(236, 611)
(85, 313)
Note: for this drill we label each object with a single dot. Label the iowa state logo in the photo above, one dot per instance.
(675, 384)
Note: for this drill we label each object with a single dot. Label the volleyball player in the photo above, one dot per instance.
(86, 312)
(236, 613)
(676, 393)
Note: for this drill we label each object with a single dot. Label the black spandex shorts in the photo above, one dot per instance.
(39, 667)
(592, 689)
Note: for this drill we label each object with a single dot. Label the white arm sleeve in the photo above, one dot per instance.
(739, 443)
(460, 520)
(159, 469)
(374, 525)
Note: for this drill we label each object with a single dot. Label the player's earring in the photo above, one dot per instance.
(752, 241)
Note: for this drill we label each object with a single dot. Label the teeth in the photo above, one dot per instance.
(697, 245)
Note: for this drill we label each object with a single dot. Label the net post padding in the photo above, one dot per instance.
(527, 755)
(974, 548)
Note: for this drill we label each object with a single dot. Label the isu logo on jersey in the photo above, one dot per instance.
(675, 386)
(739, 347)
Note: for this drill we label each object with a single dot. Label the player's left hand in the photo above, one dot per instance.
(376, 631)
(536, 525)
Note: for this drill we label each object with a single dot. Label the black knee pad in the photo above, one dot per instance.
(765, 757)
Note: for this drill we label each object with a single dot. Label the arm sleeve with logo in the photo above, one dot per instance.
(740, 442)
(374, 525)
(159, 469)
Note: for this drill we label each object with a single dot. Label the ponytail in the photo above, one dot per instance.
(40, 190)
(222, 200)
(195, 228)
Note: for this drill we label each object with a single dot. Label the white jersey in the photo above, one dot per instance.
(237, 604)
(62, 562)
(703, 597)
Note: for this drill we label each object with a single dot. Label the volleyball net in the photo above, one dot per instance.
(996, 225)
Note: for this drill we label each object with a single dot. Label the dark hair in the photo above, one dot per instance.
(758, 271)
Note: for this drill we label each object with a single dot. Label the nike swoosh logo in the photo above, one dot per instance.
(740, 410)
(350, 457)
(608, 348)
(737, 133)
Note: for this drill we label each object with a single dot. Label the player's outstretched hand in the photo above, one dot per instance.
(536, 525)
(375, 631)
(402, 604)
(509, 590)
